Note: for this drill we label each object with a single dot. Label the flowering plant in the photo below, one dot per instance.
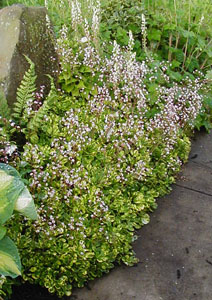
(111, 143)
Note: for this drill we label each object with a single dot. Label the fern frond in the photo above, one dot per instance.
(4, 108)
(53, 95)
(25, 92)
(37, 119)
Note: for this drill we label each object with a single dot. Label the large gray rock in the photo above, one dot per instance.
(25, 31)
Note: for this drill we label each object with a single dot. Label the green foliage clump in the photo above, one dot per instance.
(174, 31)
(118, 18)
(178, 31)
(6, 287)
(103, 155)
(204, 119)
(87, 212)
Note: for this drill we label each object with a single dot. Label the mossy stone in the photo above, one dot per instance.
(25, 31)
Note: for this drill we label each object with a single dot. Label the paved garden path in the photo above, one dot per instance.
(175, 249)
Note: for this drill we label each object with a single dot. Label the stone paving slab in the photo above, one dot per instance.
(201, 150)
(175, 248)
(196, 177)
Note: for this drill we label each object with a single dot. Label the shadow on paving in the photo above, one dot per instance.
(174, 249)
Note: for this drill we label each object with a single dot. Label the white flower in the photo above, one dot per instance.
(10, 149)
(84, 39)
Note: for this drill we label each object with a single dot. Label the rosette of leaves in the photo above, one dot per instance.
(13, 196)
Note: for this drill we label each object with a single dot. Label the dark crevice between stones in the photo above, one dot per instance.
(193, 190)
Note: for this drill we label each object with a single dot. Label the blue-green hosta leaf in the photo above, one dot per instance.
(25, 205)
(9, 170)
(5, 179)
(14, 195)
(10, 264)
(3, 231)
(10, 188)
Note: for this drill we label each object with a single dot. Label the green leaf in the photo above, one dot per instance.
(34, 138)
(175, 76)
(67, 88)
(66, 76)
(9, 170)
(10, 188)
(10, 264)
(145, 219)
(85, 69)
(14, 195)
(201, 42)
(25, 92)
(209, 52)
(75, 92)
(3, 231)
(81, 85)
(154, 34)
(94, 91)
(209, 75)
(134, 28)
(187, 33)
(122, 36)
(169, 27)
(179, 55)
(25, 205)
(175, 63)
(5, 179)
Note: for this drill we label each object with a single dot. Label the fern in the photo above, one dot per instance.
(53, 95)
(25, 92)
(4, 108)
(37, 120)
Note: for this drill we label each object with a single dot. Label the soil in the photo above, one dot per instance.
(32, 292)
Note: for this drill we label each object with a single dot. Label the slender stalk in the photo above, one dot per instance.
(177, 40)
(170, 44)
(205, 67)
(175, 12)
(203, 64)
(204, 49)
(192, 51)
(189, 23)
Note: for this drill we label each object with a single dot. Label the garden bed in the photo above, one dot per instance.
(99, 151)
